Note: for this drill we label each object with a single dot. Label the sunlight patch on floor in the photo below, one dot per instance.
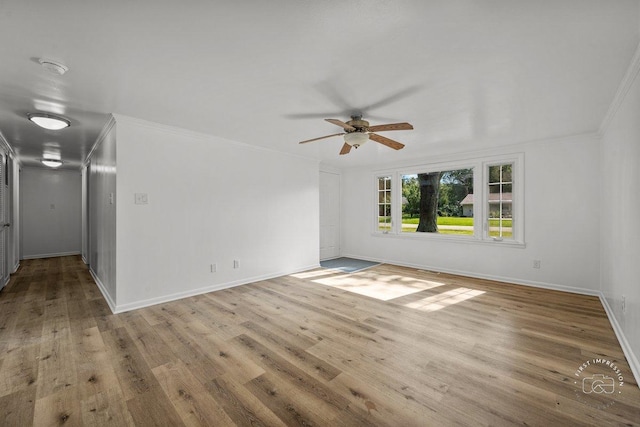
(381, 287)
(445, 299)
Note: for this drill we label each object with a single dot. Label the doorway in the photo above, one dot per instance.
(329, 215)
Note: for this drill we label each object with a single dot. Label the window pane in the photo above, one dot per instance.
(438, 202)
(500, 201)
(494, 174)
(384, 204)
(506, 173)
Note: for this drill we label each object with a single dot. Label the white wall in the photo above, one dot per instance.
(620, 203)
(102, 213)
(50, 212)
(561, 222)
(209, 201)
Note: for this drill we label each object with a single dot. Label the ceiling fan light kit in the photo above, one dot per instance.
(49, 121)
(356, 139)
(358, 131)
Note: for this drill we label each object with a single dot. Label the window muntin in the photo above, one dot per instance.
(500, 201)
(493, 205)
(384, 204)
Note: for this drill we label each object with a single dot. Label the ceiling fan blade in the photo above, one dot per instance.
(308, 115)
(386, 141)
(411, 90)
(345, 149)
(341, 124)
(322, 137)
(391, 126)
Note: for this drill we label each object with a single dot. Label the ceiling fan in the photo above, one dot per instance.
(358, 131)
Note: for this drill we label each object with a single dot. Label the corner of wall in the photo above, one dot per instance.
(619, 250)
(623, 89)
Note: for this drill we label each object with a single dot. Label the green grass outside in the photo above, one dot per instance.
(505, 234)
(457, 232)
(452, 220)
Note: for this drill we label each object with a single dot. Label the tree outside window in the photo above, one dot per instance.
(432, 202)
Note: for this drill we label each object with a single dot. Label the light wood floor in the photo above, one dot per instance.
(446, 350)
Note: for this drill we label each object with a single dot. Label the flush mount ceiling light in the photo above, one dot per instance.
(356, 139)
(49, 121)
(52, 163)
(53, 66)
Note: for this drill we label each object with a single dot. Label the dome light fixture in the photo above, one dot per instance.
(53, 66)
(52, 163)
(356, 139)
(49, 121)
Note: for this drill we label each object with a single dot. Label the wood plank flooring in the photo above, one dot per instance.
(294, 351)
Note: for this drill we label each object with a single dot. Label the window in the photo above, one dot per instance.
(433, 202)
(500, 201)
(384, 204)
(473, 200)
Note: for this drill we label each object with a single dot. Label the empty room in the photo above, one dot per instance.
(383, 213)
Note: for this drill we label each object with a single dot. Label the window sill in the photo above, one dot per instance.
(451, 239)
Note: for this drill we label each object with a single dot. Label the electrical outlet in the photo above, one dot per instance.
(536, 263)
(624, 304)
(141, 198)
(213, 268)
(236, 263)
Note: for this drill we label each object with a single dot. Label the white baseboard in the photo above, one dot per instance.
(121, 308)
(622, 339)
(543, 285)
(103, 291)
(38, 256)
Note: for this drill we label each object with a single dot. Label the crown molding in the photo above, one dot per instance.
(103, 133)
(188, 133)
(8, 147)
(623, 90)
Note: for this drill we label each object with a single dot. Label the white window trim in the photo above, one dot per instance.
(517, 200)
(376, 202)
(480, 166)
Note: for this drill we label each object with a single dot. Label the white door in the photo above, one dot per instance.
(4, 224)
(329, 215)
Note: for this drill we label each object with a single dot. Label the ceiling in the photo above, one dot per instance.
(467, 74)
